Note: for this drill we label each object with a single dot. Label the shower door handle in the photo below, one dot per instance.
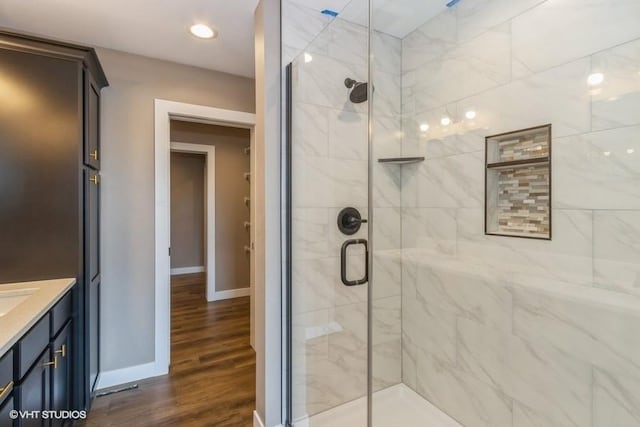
(343, 262)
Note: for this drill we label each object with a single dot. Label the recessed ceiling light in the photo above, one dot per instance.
(630, 151)
(202, 31)
(595, 79)
(424, 127)
(445, 121)
(607, 153)
(307, 57)
(470, 114)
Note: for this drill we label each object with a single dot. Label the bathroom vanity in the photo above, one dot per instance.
(35, 349)
(49, 221)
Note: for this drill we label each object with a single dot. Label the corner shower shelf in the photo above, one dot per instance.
(401, 160)
(519, 163)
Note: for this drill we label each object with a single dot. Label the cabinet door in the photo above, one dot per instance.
(91, 122)
(94, 333)
(6, 407)
(92, 225)
(61, 374)
(34, 392)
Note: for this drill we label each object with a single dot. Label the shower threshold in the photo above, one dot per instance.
(396, 406)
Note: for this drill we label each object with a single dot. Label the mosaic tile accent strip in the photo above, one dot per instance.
(526, 147)
(523, 201)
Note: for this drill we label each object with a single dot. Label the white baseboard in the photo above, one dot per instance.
(126, 375)
(187, 270)
(257, 422)
(232, 293)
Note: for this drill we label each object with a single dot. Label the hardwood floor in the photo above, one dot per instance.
(212, 376)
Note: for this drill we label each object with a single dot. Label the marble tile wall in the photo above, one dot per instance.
(509, 332)
(330, 172)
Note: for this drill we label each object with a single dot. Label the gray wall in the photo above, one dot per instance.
(232, 264)
(187, 210)
(127, 115)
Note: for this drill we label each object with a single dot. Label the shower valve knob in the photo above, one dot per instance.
(349, 221)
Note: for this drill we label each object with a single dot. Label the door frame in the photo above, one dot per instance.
(164, 112)
(209, 152)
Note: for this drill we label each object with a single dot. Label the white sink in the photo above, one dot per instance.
(11, 298)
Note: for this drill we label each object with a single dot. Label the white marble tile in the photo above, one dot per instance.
(387, 136)
(387, 94)
(324, 182)
(476, 17)
(301, 24)
(310, 131)
(464, 398)
(597, 332)
(431, 228)
(348, 42)
(352, 338)
(468, 69)
(616, 250)
(474, 297)
(386, 229)
(310, 338)
(386, 364)
(559, 96)
(567, 257)
(617, 100)
(386, 314)
(310, 231)
(387, 53)
(599, 170)
(430, 41)
(427, 330)
(559, 31)
(387, 274)
(314, 283)
(386, 183)
(453, 181)
(409, 365)
(348, 135)
(616, 400)
(537, 375)
(523, 416)
(462, 135)
(321, 82)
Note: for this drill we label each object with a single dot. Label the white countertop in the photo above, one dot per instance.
(17, 321)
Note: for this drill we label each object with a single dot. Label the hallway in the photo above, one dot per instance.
(212, 376)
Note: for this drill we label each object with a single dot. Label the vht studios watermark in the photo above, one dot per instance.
(48, 415)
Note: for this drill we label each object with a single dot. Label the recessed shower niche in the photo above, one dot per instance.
(518, 183)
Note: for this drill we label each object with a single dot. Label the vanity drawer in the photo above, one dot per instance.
(31, 346)
(60, 313)
(6, 373)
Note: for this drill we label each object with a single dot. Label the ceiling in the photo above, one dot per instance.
(154, 28)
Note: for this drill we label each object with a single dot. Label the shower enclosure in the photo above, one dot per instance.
(430, 147)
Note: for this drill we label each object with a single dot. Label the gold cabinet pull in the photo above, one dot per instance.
(95, 179)
(94, 154)
(4, 392)
(63, 351)
(54, 363)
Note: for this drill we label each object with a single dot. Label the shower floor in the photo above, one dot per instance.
(396, 406)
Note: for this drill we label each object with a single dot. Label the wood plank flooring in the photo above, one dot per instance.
(212, 375)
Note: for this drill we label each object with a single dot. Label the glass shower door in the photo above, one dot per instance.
(329, 209)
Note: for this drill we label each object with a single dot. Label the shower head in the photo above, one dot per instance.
(359, 90)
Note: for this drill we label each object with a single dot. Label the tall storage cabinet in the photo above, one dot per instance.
(50, 183)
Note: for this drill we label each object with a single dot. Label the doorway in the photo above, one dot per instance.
(167, 112)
